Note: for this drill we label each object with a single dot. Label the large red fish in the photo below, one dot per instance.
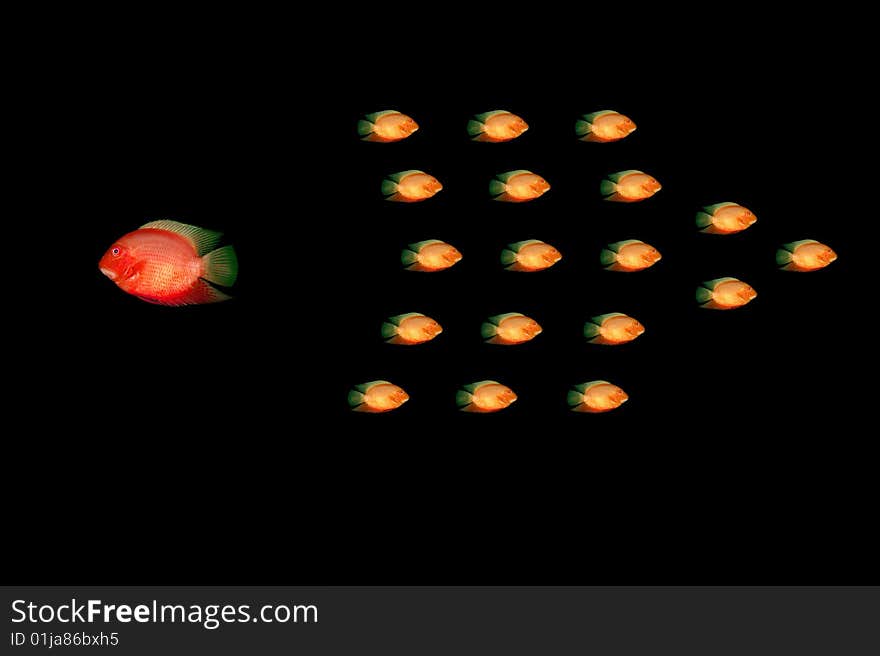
(171, 263)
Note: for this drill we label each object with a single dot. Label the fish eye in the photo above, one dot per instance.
(115, 251)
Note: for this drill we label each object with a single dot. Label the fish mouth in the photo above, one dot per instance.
(110, 273)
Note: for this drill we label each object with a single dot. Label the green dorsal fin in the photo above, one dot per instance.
(375, 116)
(401, 317)
(711, 209)
(589, 118)
(519, 245)
(204, 241)
(793, 245)
(604, 317)
(583, 387)
(419, 245)
(616, 246)
(485, 116)
(474, 386)
(712, 284)
(365, 387)
(400, 175)
(498, 318)
(616, 177)
(504, 177)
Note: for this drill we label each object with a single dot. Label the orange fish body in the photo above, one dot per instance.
(629, 255)
(725, 294)
(629, 186)
(604, 126)
(596, 396)
(529, 255)
(410, 186)
(429, 255)
(484, 396)
(387, 126)
(511, 328)
(410, 329)
(377, 396)
(725, 219)
(171, 263)
(805, 255)
(518, 186)
(612, 329)
(497, 126)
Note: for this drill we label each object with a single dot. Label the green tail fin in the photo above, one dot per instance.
(591, 330)
(583, 128)
(408, 257)
(355, 398)
(607, 257)
(463, 398)
(703, 295)
(607, 188)
(496, 188)
(574, 398)
(488, 330)
(389, 187)
(703, 220)
(508, 257)
(221, 266)
(389, 330)
(364, 128)
(783, 257)
(474, 128)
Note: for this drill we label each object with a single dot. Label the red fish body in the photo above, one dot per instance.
(171, 263)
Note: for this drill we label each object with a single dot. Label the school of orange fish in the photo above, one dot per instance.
(171, 263)
(522, 186)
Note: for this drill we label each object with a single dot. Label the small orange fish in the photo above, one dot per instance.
(614, 328)
(484, 396)
(171, 263)
(518, 186)
(429, 255)
(629, 186)
(629, 255)
(804, 255)
(724, 294)
(510, 328)
(529, 255)
(377, 396)
(386, 126)
(497, 126)
(596, 396)
(409, 329)
(410, 186)
(604, 126)
(725, 219)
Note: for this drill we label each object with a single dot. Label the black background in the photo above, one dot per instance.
(214, 443)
